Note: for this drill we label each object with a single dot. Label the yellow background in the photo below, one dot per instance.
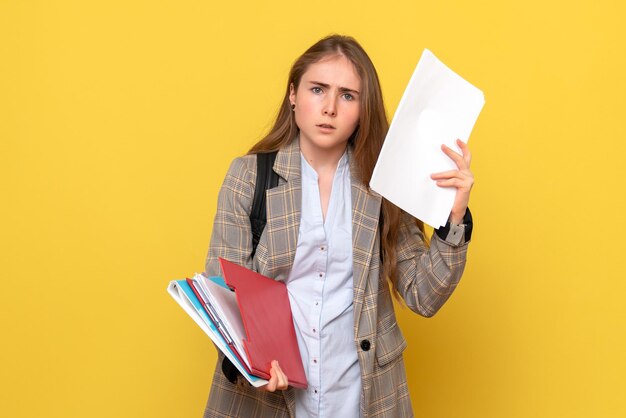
(118, 120)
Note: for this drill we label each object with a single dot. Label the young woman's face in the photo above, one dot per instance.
(327, 104)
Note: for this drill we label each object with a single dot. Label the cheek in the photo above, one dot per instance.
(305, 112)
(354, 115)
(306, 106)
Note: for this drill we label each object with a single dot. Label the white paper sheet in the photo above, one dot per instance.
(224, 302)
(437, 107)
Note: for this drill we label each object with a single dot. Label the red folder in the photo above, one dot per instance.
(266, 315)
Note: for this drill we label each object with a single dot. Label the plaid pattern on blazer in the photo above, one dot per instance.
(426, 278)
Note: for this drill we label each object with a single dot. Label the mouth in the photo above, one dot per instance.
(325, 126)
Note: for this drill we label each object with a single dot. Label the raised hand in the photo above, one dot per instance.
(462, 179)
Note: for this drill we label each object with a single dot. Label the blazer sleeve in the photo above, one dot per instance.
(427, 275)
(231, 238)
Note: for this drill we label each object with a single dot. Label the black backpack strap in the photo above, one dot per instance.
(266, 179)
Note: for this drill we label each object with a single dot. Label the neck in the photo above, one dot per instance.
(322, 160)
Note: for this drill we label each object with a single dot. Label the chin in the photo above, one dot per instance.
(331, 145)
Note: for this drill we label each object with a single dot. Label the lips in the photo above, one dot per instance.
(325, 126)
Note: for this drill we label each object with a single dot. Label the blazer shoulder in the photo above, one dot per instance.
(243, 167)
(239, 184)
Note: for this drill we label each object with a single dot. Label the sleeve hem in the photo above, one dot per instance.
(457, 234)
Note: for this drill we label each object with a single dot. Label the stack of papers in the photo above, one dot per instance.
(438, 107)
(248, 317)
(183, 293)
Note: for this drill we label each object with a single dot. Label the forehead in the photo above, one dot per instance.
(336, 70)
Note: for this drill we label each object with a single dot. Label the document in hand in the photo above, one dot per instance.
(251, 325)
(437, 107)
(182, 293)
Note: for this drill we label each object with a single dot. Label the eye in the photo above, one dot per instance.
(348, 97)
(316, 90)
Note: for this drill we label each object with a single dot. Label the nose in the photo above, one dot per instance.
(330, 107)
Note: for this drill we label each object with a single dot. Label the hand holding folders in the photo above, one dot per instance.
(252, 326)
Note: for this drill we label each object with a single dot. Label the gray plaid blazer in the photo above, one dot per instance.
(426, 278)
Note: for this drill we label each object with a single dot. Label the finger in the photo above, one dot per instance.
(272, 383)
(458, 183)
(444, 174)
(454, 156)
(282, 377)
(451, 153)
(270, 386)
(465, 177)
(467, 155)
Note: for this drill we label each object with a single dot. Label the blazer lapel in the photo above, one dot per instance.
(284, 203)
(365, 215)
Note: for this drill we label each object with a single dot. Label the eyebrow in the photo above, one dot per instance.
(341, 89)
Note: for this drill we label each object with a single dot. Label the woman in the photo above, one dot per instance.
(341, 249)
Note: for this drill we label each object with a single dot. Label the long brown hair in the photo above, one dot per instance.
(366, 141)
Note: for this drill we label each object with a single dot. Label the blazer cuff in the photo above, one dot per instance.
(457, 234)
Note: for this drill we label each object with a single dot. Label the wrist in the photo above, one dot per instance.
(457, 218)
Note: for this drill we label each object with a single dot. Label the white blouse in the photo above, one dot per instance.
(321, 295)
